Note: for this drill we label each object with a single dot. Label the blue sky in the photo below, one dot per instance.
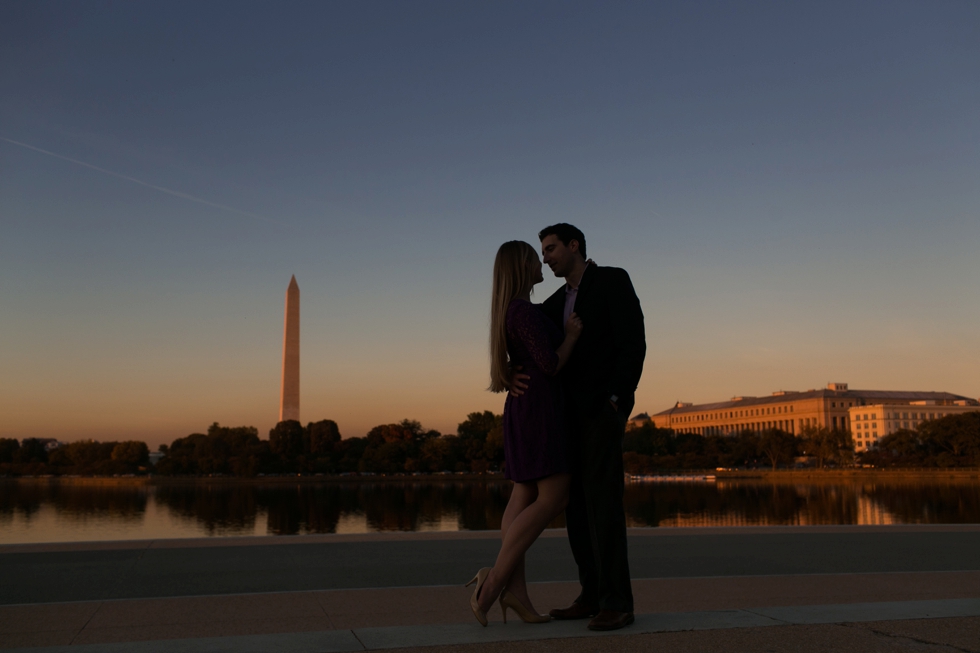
(794, 188)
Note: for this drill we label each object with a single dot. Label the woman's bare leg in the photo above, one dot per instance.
(522, 496)
(523, 531)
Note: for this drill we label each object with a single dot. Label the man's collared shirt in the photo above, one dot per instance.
(570, 295)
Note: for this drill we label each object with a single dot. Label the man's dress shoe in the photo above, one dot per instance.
(574, 611)
(609, 620)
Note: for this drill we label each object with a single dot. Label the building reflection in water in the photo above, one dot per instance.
(48, 510)
(873, 513)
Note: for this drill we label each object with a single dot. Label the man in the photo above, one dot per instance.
(599, 381)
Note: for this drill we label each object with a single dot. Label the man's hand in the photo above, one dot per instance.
(518, 384)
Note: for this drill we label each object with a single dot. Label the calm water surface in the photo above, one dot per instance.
(50, 511)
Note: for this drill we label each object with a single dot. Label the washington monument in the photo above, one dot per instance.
(289, 397)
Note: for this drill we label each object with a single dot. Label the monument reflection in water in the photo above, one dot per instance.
(46, 511)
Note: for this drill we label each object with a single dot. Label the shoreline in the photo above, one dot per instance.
(258, 480)
(830, 475)
(634, 532)
(748, 475)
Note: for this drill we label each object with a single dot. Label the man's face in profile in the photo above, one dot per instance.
(558, 256)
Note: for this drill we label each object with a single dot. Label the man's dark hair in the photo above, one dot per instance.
(566, 233)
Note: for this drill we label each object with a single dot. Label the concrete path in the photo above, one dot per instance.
(322, 593)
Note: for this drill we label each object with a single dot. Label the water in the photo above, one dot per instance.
(58, 511)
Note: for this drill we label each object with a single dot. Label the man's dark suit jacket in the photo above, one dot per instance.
(608, 358)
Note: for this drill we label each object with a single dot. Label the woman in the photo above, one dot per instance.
(534, 430)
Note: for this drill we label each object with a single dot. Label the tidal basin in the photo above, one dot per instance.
(65, 510)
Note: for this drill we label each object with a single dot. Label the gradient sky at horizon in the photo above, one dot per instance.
(794, 188)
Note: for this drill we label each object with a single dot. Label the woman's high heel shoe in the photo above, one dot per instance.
(508, 600)
(479, 579)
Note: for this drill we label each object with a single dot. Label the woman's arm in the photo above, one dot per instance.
(530, 327)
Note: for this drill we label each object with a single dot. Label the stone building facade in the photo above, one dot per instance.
(871, 423)
(791, 411)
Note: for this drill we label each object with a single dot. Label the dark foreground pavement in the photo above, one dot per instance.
(793, 588)
(921, 636)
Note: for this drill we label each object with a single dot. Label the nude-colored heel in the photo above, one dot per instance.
(508, 600)
(479, 579)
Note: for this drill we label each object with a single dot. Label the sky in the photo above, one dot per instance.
(794, 189)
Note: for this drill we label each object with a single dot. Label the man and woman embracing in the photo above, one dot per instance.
(570, 366)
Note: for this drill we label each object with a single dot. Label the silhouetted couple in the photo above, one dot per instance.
(570, 366)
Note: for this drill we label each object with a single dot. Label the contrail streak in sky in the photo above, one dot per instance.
(168, 191)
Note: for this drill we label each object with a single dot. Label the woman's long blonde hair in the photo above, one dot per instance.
(512, 277)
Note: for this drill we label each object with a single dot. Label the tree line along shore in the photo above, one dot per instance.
(810, 476)
(406, 448)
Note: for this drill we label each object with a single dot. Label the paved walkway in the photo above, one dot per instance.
(895, 588)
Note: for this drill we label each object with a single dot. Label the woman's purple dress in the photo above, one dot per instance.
(535, 440)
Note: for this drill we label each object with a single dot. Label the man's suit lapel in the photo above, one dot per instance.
(554, 306)
(587, 284)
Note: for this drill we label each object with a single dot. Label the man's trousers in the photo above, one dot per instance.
(595, 517)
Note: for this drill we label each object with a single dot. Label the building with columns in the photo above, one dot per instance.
(791, 411)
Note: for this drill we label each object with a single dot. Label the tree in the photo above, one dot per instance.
(439, 454)
(131, 454)
(321, 437)
(8, 449)
(181, 456)
(744, 449)
(473, 433)
(778, 447)
(493, 448)
(223, 450)
(394, 448)
(236, 437)
(241, 451)
(350, 452)
(952, 440)
(843, 447)
(86, 457)
(478, 425)
(690, 452)
(816, 443)
(31, 450)
(827, 445)
(649, 440)
(406, 431)
(321, 447)
(385, 458)
(286, 440)
(903, 448)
